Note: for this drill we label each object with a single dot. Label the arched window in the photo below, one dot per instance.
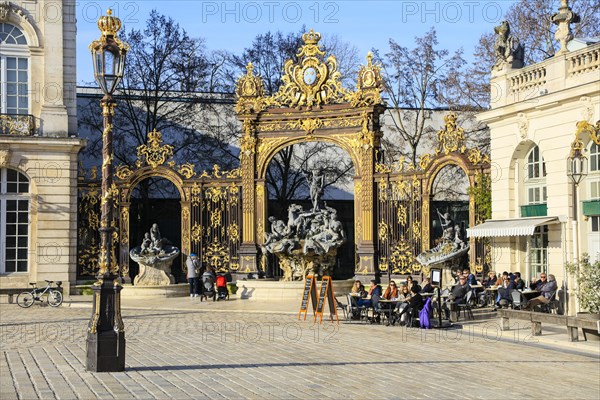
(535, 177)
(14, 71)
(10, 34)
(14, 221)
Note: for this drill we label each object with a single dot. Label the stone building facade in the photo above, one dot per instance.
(533, 120)
(38, 142)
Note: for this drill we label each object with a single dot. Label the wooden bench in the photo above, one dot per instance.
(537, 318)
(11, 292)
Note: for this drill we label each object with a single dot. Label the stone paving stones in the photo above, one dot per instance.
(216, 354)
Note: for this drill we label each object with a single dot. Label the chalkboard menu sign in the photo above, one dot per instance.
(326, 292)
(309, 295)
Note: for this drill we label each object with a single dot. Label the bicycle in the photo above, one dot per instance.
(53, 297)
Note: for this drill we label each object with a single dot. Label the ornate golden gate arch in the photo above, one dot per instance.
(311, 105)
(224, 213)
(404, 198)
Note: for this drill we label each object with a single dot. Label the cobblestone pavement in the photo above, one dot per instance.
(189, 354)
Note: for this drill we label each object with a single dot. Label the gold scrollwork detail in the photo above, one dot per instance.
(309, 125)
(215, 218)
(249, 90)
(154, 153)
(187, 170)
(185, 230)
(383, 264)
(401, 257)
(312, 81)
(475, 156)
(593, 131)
(233, 231)
(451, 138)
(196, 232)
(401, 214)
(365, 139)
(124, 172)
(196, 191)
(216, 255)
(247, 145)
(215, 193)
(382, 232)
(368, 85)
(424, 161)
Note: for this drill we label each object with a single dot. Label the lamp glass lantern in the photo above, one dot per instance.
(109, 65)
(577, 167)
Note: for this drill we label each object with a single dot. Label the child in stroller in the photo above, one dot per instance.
(208, 285)
(222, 292)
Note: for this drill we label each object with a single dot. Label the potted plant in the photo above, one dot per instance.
(588, 280)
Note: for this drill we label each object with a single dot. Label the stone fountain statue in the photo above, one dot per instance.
(450, 250)
(155, 256)
(308, 242)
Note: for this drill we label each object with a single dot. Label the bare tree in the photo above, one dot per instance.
(167, 77)
(414, 81)
(164, 89)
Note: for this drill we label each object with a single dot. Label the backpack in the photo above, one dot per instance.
(424, 315)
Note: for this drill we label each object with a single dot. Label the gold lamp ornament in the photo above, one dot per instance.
(108, 54)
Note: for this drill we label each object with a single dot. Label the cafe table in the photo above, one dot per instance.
(531, 294)
(388, 307)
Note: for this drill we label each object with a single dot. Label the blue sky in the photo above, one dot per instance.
(367, 24)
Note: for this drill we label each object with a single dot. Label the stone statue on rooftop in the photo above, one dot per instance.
(507, 49)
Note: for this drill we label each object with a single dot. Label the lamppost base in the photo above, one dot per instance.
(106, 352)
(106, 336)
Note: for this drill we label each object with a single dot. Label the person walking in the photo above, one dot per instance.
(192, 273)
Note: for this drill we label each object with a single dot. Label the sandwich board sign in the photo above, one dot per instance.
(308, 296)
(326, 292)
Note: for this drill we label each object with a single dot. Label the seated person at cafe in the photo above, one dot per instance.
(501, 278)
(403, 299)
(471, 280)
(412, 285)
(458, 295)
(357, 288)
(504, 298)
(427, 288)
(519, 283)
(391, 292)
(547, 291)
(374, 290)
(413, 306)
(490, 280)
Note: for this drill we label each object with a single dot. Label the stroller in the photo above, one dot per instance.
(222, 292)
(208, 286)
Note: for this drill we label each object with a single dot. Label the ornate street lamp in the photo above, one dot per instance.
(106, 334)
(577, 169)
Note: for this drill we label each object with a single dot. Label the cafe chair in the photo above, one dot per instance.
(342, 306)
(376, 316)
(552, 306)
(466, 306)
(518, 301)
(355, 312)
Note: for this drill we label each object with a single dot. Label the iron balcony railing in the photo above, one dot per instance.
(17, 124)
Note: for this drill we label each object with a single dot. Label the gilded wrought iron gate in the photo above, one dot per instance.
(211, 209)
(404, 195)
